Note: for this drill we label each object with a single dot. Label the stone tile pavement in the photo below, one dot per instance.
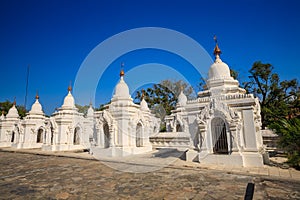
(29, 174)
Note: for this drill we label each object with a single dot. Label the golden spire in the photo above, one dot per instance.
(122, 73)
(37, 95)
(14, 103)
(70, 86)
(143, 94)
(2, 112)
(217, 50)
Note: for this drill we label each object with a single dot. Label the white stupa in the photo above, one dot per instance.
(12, 113)
(90, 111)
(69, 102)
(182, 99)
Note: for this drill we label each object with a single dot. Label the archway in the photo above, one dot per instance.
(106, 135)
(178, 128)
(219, 136)
(39, 137)
(139, 135)
(52, 136)
(12, 137)
(76, 139)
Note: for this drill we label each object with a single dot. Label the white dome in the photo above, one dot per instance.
(144, 105)
(219, 70)
(122, 89)
(69, 101)
(36, 108)
(182, 99)
(13, 112)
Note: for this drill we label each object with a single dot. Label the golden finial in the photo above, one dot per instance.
(2, 112)
(37, 95)
(15, 102)
(70, 86)
(122, 73)
(217, 50)
(143, 94)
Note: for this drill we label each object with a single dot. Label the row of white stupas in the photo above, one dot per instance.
(221, 126)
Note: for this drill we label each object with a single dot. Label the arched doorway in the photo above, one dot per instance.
(52, 135)
(219, 136)
(106, 136)
(178, 128)
(139, 135)
(12, 137)
(39, 137)
(76, 138)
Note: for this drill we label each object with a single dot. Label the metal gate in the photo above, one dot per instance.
(219, 136)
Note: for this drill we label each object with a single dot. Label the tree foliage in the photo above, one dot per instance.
(289, 132)
(82, 109)
(278, 99)
(162, 97)
(6, 105)
(280, 103)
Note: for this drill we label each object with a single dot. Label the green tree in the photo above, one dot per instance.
(82, 109)
(6, 105)
(163, 96)
(289, 132)
(276, 97)
(234, 74)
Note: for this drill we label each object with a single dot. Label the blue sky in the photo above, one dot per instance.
(55, 37)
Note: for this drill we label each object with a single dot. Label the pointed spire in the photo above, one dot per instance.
(143, 94)
(217, 50)
(15, 102)
(122, 73)
(70, 86)
(37, 95)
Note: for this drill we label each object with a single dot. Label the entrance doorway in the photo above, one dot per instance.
(39, 137)
(219, 136)
(139, 135)
(106, 136)
(76, 139)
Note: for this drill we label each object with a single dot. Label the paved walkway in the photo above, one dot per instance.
(156, 160)
(29, 174)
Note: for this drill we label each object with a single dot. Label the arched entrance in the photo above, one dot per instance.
(52, 135)
(39, 137)
(106, 136)
(219, 136)
(178, 128)
(12, 137)
(139, 135)
(76, 138)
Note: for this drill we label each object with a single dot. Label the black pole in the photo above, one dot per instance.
(249, 191)
(26, 92)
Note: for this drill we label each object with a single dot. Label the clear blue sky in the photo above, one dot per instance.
(54, 37)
